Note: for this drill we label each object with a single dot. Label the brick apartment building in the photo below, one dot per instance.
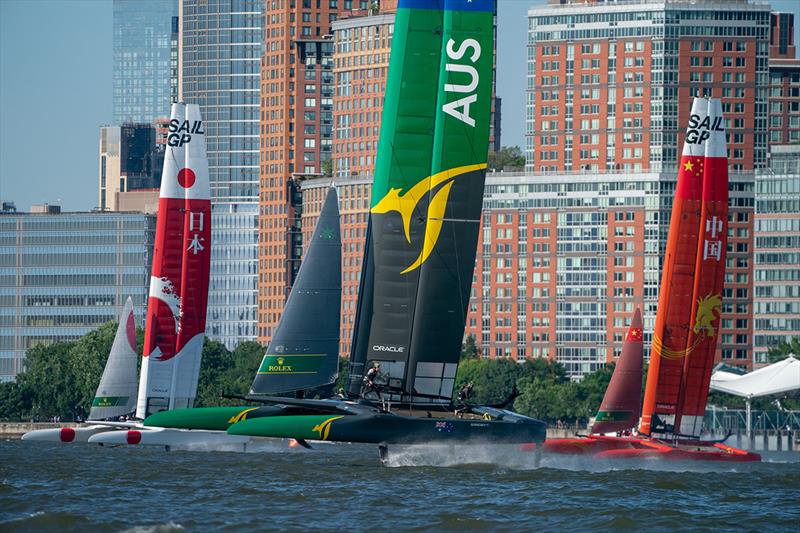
(569, 247)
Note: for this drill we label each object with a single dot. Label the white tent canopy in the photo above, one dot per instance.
(783, 376)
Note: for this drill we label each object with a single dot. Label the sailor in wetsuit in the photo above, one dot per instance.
(369, 381)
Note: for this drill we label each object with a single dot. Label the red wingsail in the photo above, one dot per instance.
(709, 278)
(176, 309)
(671, 333)
(622, 401)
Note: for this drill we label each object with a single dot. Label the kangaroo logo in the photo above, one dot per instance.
(240, 416)
(406, 203)
(708, 309)
(324, 428)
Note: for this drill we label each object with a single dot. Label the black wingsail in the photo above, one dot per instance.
(304, 351)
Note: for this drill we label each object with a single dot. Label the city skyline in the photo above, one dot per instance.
(83, 101)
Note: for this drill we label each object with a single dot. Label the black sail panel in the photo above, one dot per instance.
(304, 352)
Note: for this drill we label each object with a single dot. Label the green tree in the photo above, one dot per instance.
(507, 158)
(216, 361)
(783, 350)
(469, 350)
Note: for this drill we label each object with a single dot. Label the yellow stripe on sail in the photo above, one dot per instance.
(669, 353)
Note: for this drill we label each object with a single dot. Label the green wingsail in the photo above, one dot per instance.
(427, 194)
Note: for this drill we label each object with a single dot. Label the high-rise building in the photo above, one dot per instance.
(130, 160)
(784, 82)
(297, 95)
(221, 49)
(610, 84)
(776, 303)
(64, 275)
(145, 59)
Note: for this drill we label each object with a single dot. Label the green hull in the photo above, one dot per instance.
(384, 428)
(207, 418)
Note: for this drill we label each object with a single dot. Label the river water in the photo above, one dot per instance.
(53, 487)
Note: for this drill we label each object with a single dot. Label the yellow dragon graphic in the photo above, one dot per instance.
(406, 202)
(708, 309)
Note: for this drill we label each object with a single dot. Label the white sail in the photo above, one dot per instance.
(116, 394)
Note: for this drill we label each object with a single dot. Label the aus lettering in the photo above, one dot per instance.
(466, 76)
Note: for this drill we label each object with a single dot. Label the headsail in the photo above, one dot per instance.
(709, 278)
(673, 340)
(427, 195)
(176, 310)
(622, 401)
(304, 352)
(116, 394)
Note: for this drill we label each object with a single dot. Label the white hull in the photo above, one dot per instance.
(174, 438)
(66, 435)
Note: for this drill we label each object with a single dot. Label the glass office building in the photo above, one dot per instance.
(64, 275)
(221, 69)
(145, 77)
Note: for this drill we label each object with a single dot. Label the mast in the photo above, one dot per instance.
(176, 308)
(709, 279)
(622, 401)
(427, 195)
(116, 393)
(671, 333)
(304, 351)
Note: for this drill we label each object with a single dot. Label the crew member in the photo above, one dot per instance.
(463, 398)
(369, 381)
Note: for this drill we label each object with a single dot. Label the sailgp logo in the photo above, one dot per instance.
(406, 203)
(324, 427)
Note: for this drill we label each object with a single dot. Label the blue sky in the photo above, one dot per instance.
(55, 92)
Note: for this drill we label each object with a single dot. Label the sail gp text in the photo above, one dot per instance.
(700, 131)
(180, 132)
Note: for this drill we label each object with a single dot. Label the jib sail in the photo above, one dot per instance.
(116, 394)
(176, 308)
(426, 196)
(304, 352)
(622, 401)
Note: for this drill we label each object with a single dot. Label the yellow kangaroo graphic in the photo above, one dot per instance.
(240, 416)
(706, 309)
(406, 202)
(324, 427)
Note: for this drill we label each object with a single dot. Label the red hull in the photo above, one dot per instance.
(602, 447)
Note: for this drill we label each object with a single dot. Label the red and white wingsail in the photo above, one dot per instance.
(708, 279)
(690, 298)
(176, 309)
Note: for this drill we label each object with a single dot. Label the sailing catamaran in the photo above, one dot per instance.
(176, 309)
(116, 393)
(421, 244)
(303, 354)
(689, 308)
